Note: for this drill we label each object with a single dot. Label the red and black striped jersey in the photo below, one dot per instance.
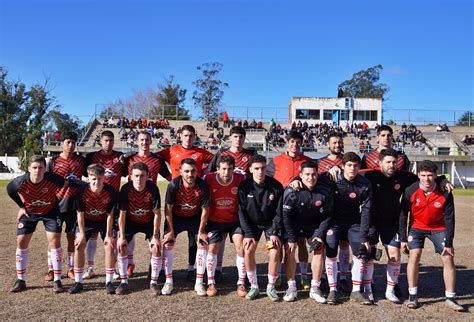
(72, 168)
(114, 168)
(156, 165)
(96, 207)
(370, 161)
(242, 160)
(139, 205)
(187, 202)
(37, 198)
(325, 164)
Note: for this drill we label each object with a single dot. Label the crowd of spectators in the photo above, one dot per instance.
(442, 128)
(141, 123)
(468, 140)
(410, 135)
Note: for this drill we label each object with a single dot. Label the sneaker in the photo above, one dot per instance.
(370, 296)
(154, 289)
(191, 276)
(291, 294)
(49, 277)
(167, 289)
(316, 294)
(305, 283)
(20, 285)
(412, 302)
(200, 289)
(252, 293)
(109, 288)
(122, 289)
(58, 287)
(211, 290)
(272, 294)
(89, 273)
(345, 286)
(130, 269)
(70, 274)
(241, 291)
(77, 288)
(333, 298)
(453, 304)
(392, 297)
(360, 298)
(218, 277)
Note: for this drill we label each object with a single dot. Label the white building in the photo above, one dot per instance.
(335, 110)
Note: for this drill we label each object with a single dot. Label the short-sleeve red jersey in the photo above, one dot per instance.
(224, 198)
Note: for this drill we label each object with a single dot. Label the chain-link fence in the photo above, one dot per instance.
(427, 117)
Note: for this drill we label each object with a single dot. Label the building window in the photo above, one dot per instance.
(344, 115)
(307, 114)
(365, 115)
(327, 115)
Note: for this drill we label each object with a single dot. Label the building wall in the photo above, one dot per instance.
(356, 110)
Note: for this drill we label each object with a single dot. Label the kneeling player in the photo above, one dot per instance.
(308, 210)
(260, 212)
(95, 205)
(139, 213)
(35, 194)
(224, 219)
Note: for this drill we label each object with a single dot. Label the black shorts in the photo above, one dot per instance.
(69, 219)
(216, 231)
(27, 225)
(94, 228)
(268, 231)
(337, 233)
(132, 228)
(189, 224)
(388, 236)
(307, 232)
(416, 239)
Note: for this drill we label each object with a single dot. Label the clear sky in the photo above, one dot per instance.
(97, 51)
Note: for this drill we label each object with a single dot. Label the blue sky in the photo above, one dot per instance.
(96, 51)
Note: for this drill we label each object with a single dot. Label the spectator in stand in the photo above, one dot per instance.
(239, 123)
(133, 124)
(172, 133)
(46, 138)
(57, 137)
(215, 124)
(246, 124)
(225, 119)
(144, 123)
(111, 122)
(209, 125)
(220, 134)
(260, 125)
(253, 124)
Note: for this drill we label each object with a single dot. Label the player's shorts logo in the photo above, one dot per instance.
(330, 232)
(20, 225)
(410, 238)
(437, 204)
(44, 190)
(321, 210)
(352, 195)
(317, 203)
(397, 186)
(271, 196)
(234, 190)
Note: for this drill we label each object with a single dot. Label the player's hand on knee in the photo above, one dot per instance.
(122, 243)
(276, 241)
(248, 243)
(291, 247)
(80, 241)
(203, 239)
(168, 239)
(21, 212)
(109, 241)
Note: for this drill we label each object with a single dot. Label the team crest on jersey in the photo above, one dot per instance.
(417, 201)
(196, 193)
(105, 201)
(44, 190)
(352, 195)
(234, 190)
(271, 196)
(245, 159)
(194, 156)
(76, 164)
(116, 160)
(317, 203)
(437, 204)
(20, 225)
(397, 186)
(146, 199)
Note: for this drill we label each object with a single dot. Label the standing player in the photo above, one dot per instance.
(385, 139)
(431, 216)
(224, 219)
(187, 209)
(35, 194)
(260, 211)
(95, 205)
(242, 157)
(68, 165)
(308, 210)
(113, 163)
(174, 155)
(139, 213)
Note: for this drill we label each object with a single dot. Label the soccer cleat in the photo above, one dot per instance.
(305, 283)
(316, 294)
(76, 288)
(130, 269)
(252, 293)
(345, 286)
(392, 297)
(453, 304)
(241, 291)
(154, 289)
(58, 287)
(200, 289)
(333, 298)
(70, 274)
(291, 294)
(191, 276)
(109, 288)
(49, 277)
(211, 290)
(218, 277)
(272, 294)
(412, 302)
(89, 273)
(167, 289)
(122, 289)
(370, 296)
(360, 298)
(20, 285)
